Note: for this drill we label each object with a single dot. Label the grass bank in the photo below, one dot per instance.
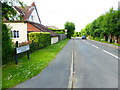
(14, 74)
(106, 42)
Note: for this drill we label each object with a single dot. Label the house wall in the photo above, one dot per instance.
(22, 28)
(62, 36)
(54, 40)
(35, 17)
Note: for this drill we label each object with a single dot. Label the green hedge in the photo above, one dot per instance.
(39, 39)
(58, 31)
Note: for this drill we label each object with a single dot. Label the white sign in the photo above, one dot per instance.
(22, 49)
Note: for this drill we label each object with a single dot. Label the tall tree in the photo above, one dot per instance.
(8, 11)
(70, 26)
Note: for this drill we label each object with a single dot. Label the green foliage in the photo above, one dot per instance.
(105, 25)
(8, 12)
(58, 31)
(77, 34)
(83, 32)
(40, 39)
(7, 49)
(70, 26)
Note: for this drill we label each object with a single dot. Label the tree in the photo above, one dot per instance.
(6, 44)
(8, 11)
(70, 26)
(105, 26)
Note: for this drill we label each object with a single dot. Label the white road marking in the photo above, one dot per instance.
(71, 73)
(103, 50)
(87, 42)
(95, 46)
(111, 54)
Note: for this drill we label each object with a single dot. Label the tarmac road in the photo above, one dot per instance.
(95, 64)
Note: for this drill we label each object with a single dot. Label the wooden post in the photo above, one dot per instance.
(28, 55)
(33, 45)
(16, 56)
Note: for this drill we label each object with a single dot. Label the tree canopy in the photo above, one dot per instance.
(70, 26)
(8, 11)
(105, 25)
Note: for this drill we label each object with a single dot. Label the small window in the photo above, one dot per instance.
(15, 34)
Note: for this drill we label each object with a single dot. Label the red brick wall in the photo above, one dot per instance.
(32, 28)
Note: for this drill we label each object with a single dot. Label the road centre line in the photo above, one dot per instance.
(70, 83)
(95, 46)
(111, 54)
(87, 42)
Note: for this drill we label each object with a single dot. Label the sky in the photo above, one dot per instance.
(80, 12)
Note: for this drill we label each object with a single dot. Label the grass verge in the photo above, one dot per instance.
(107, 42)
(14, 74)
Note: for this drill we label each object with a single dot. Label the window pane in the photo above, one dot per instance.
(17, 34)
(14, 34)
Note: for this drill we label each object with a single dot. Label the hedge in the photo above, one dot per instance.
(58, 31)
(39, 39)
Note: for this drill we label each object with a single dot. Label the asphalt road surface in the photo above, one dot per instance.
(95, 64)
(80, 64)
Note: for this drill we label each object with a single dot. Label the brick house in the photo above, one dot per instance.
(29, 22)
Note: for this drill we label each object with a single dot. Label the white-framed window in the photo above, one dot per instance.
(15, 34)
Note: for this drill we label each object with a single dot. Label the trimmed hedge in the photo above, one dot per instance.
(58, 31)
(39, 39)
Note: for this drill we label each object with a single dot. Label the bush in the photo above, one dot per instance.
(7, 49)
(39, 39)
(58, 31)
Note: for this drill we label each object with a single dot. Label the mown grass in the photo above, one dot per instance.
(111, 43)
(107, 42)
(14, 74)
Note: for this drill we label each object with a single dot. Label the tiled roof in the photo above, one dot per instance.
(25, 12)
(42, 28)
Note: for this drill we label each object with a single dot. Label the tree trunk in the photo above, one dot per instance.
(119, 39)
(105, 37)
(110, 38)
(116, 39)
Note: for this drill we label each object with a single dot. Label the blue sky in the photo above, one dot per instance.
(80, 12)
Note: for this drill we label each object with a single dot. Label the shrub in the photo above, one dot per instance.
(7, 49)
(58, 31)
(39, 39)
